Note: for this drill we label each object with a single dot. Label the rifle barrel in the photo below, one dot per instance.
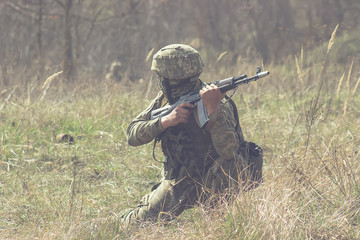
(241, 81)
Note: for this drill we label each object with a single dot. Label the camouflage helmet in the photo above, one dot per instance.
(115, 66)
(177, 62)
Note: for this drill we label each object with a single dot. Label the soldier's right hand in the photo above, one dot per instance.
(180, 114)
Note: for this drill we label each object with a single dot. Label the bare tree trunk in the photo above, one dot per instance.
(4, 75)
(68, 61)
(39, 33)
(39, 37)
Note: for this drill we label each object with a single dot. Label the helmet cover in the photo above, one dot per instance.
(177, 62)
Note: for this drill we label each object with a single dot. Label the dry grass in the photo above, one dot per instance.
(51, 190)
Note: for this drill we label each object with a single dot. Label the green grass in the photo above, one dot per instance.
(52, 190)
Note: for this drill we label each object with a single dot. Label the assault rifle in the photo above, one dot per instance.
(195, 99)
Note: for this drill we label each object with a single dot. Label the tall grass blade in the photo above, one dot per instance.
(299, 70)
(356, 86)
(331, 42)
(340, 83)
(221, 56)
(50, 79)
(149, 54)
(349, 75)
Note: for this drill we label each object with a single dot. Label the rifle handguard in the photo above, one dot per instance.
(243, 79)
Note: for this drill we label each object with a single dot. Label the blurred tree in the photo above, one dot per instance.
(68, 59)
(91, 34)
(39, 33)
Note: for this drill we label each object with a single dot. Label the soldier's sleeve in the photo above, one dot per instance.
(225, 136)
(142, 130)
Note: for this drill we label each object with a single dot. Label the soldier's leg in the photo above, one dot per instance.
(221, 180)
(227, 177)
(168, 200)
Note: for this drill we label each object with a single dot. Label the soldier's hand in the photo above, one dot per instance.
(211, 96)
(180, 114)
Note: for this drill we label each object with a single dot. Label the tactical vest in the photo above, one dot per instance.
(188, 150)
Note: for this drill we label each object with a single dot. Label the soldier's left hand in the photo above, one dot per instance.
(211, 96)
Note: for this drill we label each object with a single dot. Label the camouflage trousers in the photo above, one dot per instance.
(171, 197)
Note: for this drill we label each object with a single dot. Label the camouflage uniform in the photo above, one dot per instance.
(200, 163)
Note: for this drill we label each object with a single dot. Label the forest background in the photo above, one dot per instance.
(87, 36)
(55, 59)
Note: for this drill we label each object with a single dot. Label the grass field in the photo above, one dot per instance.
(305, 116)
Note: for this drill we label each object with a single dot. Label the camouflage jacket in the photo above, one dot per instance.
(220, 139)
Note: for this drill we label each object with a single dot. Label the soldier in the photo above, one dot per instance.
(115, 72)
(200, 163)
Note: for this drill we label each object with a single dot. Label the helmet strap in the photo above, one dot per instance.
(166, 88)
